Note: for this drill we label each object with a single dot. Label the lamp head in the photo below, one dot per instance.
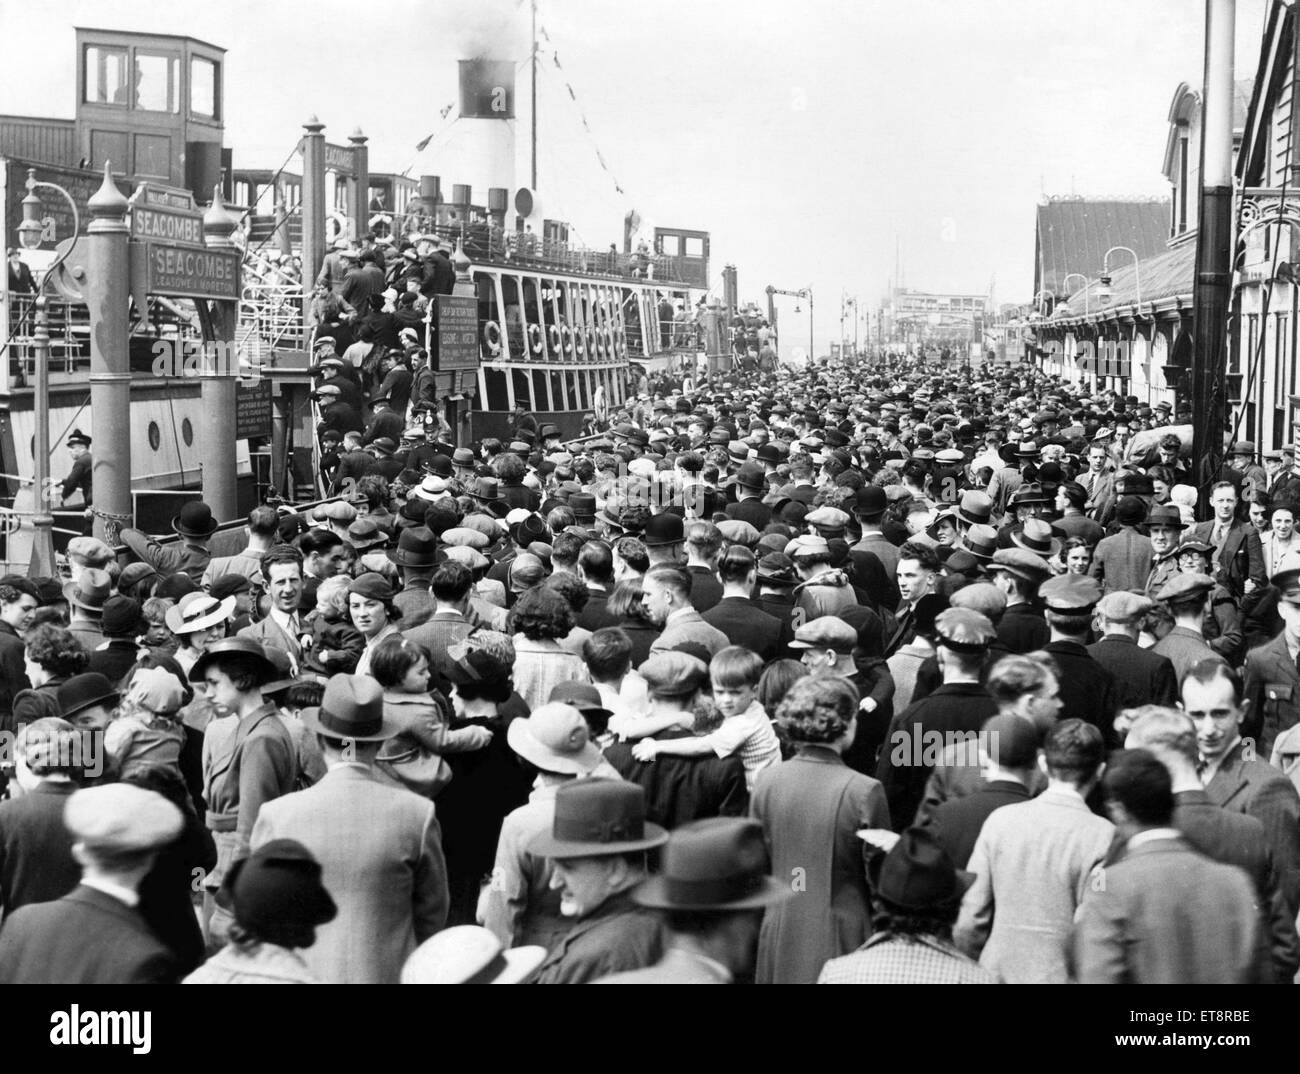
(1103, 291)
(31, 230)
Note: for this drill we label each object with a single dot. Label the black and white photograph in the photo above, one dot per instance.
(650, 492)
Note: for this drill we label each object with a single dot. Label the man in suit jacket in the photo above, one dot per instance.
(1033, 863)
(1166, 914)
(1087, 689)
(1011, 760)
(452, 586)
(1123, 560)
(282, 628)
(1141, 676)
(36, 862)
(666, 597)
(379, 846)
(1272, 686)
(1227, 837)
(750, 484)
(1239, 557)
(736, 614)
(18, 600)
(1233, 776)
(95, 934)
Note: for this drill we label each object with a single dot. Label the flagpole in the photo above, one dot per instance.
(533, 110)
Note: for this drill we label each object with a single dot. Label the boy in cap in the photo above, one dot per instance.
(1142, 676)
(1187, 596)
(746, 729)
(95, 934)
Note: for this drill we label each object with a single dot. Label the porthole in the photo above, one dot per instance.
(187, 432)
(155, 435)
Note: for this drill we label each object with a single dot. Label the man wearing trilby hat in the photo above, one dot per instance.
(379, 846)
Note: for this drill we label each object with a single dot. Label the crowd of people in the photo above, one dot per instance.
(899, 672)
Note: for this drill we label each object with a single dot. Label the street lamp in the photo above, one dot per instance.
(1084, 278)
(1103, 293)
(1038, 305)
(31, 232)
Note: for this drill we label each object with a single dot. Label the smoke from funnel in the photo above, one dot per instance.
(487, 29)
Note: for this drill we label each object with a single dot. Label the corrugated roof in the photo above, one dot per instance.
(1075, 233)
(1167, 274)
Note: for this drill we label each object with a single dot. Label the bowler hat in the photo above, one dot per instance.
(720, 863)
(352, 709)
(583, 505)
(597, 818)
(195, 520)
(84, 691)
(122, 618)
(663, 530)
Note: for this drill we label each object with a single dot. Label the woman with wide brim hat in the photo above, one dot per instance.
(198, 620)
(254, 750)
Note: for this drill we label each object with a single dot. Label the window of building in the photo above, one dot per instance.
(106, 75)
(205, 87)
(156, 82)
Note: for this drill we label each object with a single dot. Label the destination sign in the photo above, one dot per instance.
(457, 335)
(162, 269)
(164, 197)
(340, 158)
(167, 226)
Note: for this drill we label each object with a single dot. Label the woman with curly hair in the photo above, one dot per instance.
(52, 655)
(540, 620)
(811, 808)
(625, 603)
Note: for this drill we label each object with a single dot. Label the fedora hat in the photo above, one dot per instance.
(486, 490)
(90, 591)
(245, 648)
(554, 738)
(1036, 537)
(596, 818)
(416, 547)
(195, 520)
(981, 541)
(975, 507)
(917, 874)
(716, 864)
(352, 709)
(198, 611)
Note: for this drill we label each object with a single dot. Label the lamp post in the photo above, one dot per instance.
(1084, 278)
(1035, 303)
(1103, 293)
(30, 233)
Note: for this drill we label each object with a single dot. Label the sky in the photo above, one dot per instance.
(819, 142)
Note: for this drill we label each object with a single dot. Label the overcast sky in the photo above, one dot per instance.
(806, 137)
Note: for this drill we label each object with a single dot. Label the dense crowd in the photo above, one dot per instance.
(896, 672)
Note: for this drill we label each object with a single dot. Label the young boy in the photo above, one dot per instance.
(745, 729)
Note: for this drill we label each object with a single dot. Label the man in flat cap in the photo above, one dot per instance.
(1187, 597)
(95, 934)
(1019, 573)
(918, 735)
(1142, 676)
(1087, 688)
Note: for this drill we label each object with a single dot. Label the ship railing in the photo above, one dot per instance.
(490, 242)
(69, 330)
(270, 318)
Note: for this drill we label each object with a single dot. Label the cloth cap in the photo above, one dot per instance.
(1071, 593)
(826, 632)
(1123, 606)
(1186, 587)
(827, 518)
(964, 630)
(120, 818)
(157, 690)
(804, 546)
(1021, 563)
(982, 597)
(673, 674)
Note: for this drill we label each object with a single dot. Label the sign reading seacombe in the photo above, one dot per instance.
(167, 226)
(457, 335)
(163, 269)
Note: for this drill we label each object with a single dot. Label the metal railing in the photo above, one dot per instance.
(69, 327)
(270, 316)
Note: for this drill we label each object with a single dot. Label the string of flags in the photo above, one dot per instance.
(443, 113)
(582, 117)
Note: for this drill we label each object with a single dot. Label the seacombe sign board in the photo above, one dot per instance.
(164, 269)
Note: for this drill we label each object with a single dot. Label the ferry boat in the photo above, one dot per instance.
(561, 329)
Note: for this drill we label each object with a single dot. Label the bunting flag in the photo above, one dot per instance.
(443, 113)
(582, 117)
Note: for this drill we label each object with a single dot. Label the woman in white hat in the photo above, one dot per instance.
(197, 621)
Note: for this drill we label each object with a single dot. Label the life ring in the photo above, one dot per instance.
(336, 227)
(599, 338)
(556, 339)
(593, 348)
(492, 337)
(580, 341)
(611, 340)
(567, 333)
(535, 338)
